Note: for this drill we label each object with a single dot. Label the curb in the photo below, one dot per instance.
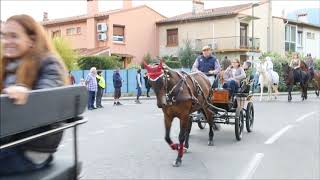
(128, 98)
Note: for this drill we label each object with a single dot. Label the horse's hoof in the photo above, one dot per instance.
(210, 143)
(185, 150)
(177, 163)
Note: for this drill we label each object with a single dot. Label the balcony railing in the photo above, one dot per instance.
(232, 43)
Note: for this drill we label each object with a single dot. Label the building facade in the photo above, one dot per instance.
(115, 32)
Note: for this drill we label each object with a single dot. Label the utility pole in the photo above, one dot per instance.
(252, 31)
(269, 28)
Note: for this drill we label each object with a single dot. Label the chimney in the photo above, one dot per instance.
(92, 7)
(45, 16)
(127, 4)
(197, 6)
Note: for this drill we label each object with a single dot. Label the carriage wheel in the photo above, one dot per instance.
(249, 116)
(202, 120)
(239, 124)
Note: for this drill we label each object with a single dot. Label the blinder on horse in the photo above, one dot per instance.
(172, 92)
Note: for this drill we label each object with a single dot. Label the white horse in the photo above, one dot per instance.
(271, 81)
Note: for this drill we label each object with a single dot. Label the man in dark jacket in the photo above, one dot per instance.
(139, 85)
(147, 84)
(117, 84)
(208, 64)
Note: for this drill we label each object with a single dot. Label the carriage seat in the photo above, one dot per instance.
(64, 105)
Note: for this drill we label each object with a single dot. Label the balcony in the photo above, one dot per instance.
(229, 44)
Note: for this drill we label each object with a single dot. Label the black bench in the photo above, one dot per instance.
(45, 107)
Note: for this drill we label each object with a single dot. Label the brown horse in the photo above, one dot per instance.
(314, 77)
(291, 77)
(178, 95)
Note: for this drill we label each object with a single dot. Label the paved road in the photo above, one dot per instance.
(127, 142)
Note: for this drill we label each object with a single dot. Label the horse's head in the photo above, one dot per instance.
(158, 75)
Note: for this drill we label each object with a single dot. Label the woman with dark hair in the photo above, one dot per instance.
(233, 75)
(28, 62)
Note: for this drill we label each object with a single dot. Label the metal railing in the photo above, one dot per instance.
(231, 43)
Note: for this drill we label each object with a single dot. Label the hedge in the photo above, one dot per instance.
(100, 62)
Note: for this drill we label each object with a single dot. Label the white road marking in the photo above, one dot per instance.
(254, 163)
(273, 138)
(305, 116)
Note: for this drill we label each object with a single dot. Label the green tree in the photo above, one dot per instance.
(187, 55)
(100, 62)
(68, 55)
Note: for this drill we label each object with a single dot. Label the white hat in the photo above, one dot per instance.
(206, 48)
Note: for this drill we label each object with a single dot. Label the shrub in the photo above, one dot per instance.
(317, 62)
(173, 64)
(63, 48)
(134, 66)
(187, 55)
(100, 62)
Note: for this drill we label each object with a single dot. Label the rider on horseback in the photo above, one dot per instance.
(269, 68)
(295, 64)
(310, 63)
(208, 64)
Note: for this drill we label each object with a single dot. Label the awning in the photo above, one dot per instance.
(123, 55)
(94, 51)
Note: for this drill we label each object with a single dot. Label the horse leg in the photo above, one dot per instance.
(261, 91)
(289, 93)
(275, 88)
(168, 123)
(269, 91)
(186, 144)
(184, 121)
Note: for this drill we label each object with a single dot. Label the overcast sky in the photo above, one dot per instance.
(63, 8)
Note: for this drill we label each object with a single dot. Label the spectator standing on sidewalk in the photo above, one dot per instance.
(72, 79)
(101, 86)
(91, 83)
(117, 84)
(147, 84)
(139, 85)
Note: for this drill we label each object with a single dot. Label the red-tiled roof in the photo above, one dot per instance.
(84, 17)
(207, 13)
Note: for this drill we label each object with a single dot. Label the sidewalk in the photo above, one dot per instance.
(153, 97)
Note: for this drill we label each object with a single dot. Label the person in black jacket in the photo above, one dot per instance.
(28, 62)
(147, 84)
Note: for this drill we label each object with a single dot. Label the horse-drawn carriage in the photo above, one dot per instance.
(235, 111)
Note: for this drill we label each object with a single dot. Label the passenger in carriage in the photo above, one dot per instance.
(208, 64)
(28, 62)
(233, 75)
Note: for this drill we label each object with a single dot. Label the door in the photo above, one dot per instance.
(243, 35)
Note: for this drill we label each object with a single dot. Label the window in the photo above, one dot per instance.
(71, 31)
(78, 30)
(56, 33)
(299, 40)
(310, 35)
(172, 37)
(118, 33)
(290, 38)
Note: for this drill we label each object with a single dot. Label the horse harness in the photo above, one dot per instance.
(171, 95)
